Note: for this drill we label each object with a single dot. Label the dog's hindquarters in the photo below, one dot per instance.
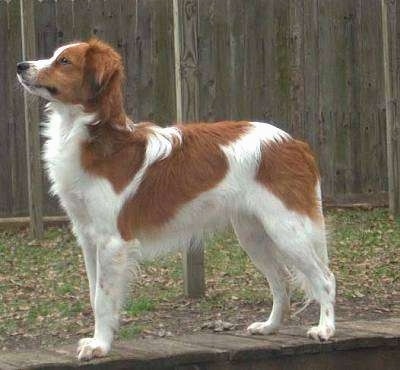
(278, 240)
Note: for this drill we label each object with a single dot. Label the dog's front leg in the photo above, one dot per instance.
(86, 240)
(112, 271)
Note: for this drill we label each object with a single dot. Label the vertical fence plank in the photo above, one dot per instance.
(13, 184)
(5, 144)
(352, 57)
(281, 55)
(340, 15)
(297, 107)
(311, 76)
(128, 20)
(253, 64)
(17, 139)
(35, 185)
(163, 61)
(185, 14)
(82, 12)
(235, 11)
(327, 76)
(47, 39)
(189, 60)
(390, 63)
(207, 65)
(65, 19)
(221, 53)
(371, 88)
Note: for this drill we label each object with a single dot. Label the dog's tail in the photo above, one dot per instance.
(320, 248)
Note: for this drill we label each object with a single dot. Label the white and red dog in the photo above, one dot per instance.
(139, 187)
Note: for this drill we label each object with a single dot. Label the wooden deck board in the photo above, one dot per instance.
(376, 341)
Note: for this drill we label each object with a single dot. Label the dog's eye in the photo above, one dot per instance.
(64, 60)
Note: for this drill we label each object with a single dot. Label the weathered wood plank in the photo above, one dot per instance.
(252, 105)
(339, 15)
(353, 35)
(65, 19)
(163, 97)
(367, 345)
(13, 178)
(327, 82)
(5, 172)
(371, 95)
(297, 104)
(144, 83)
(96, 19)
(193, 270)
(311, 77)
(31, 109)
(128, 19)
(390, 12)
(207, 66)
(189, 60)
(81, 18)
(23, 222)
(240, 348)
(221, 59)
(236, 10)
(47, 40)
(281, 72)
(187, 84)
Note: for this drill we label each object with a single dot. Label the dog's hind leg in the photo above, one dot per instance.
(301, 241)
(262, 251)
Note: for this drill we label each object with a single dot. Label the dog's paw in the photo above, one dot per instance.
(262, 328)
(321, 332)
(89, 348)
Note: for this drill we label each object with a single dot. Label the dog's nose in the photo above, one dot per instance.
(22, 66)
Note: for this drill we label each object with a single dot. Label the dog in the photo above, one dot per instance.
(140, 189)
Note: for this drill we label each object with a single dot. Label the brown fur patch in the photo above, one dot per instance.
(195, 166)
(289, 171)
(103, 76)
(113, 154)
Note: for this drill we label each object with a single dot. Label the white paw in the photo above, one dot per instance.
(321, 333)
(263, 328)
(89, 348)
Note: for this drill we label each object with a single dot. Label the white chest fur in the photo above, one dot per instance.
(87, 199)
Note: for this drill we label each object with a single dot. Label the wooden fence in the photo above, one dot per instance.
(313, 66)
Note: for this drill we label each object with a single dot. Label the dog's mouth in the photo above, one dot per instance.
(51, 89)
(32, 86)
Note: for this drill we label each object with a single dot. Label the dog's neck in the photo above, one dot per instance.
(104, 114)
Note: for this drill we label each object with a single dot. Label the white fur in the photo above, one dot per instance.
(275, 238)
(45, 63)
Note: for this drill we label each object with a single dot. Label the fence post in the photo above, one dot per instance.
(187, 109)
(391, 76)
(31, 109)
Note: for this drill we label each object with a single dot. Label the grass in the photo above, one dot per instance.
(44, 296)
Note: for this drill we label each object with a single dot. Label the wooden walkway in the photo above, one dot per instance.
(358, 345)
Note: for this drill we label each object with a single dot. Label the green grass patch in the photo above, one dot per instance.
(136, 307)
(44, 292)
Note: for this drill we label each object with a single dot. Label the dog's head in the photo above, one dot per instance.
(77, 73)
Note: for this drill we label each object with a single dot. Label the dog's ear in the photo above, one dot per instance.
(102, 65)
